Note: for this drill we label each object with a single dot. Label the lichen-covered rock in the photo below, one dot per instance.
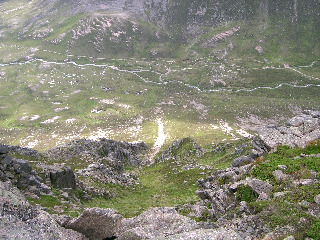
(157, 222)
(280, 176)
(20, 220)
(96, 223)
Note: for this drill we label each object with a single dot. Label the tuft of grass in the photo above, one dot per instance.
(46, 201)
(245, 193)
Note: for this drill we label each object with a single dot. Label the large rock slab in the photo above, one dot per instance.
(96, 223)
(157, 222)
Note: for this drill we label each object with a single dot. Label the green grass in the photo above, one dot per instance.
(181, 115)
(46, 201)
(159, 186)
(285, 156)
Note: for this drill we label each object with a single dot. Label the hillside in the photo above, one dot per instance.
(253, 188)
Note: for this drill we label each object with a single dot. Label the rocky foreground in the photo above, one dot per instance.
(262, 195)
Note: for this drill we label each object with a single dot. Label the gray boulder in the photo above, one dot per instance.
(241, 161)
(21, 166)
(96, 223)
(63, 177)
(280, 176)
(156, 222)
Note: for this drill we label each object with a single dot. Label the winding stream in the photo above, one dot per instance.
(135, 72)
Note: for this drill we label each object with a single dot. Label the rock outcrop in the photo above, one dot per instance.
(184, 149)
(226, 196)
(259, 148)
(298, 132)
(20, 220)
(104, 174)
(60, 176)
(220, 189)
(24, 151)
(20, 173)
(110, 151)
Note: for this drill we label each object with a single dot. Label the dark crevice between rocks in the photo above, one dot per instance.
(110, 238)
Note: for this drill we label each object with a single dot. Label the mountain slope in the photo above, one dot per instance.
(111, 28)
(208, 69)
